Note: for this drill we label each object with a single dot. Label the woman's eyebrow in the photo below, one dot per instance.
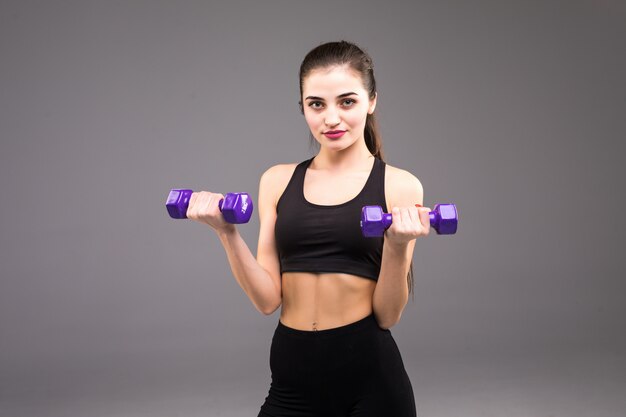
(339, 96)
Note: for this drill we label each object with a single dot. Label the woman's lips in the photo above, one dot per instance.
(334, 134)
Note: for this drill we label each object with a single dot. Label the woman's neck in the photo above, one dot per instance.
(356, 156)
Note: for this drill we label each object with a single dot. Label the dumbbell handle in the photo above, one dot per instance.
(434, 220)
(235, 207)
(443, 218)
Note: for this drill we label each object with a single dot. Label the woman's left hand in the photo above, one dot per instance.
(408, 223)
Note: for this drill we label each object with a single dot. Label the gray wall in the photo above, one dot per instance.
(514, 110)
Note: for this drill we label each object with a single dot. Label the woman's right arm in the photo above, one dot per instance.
(259, 278)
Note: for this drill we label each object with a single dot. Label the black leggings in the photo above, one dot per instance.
(352, 370)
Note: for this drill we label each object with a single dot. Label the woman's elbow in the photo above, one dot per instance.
(269, 308)
(388, 323)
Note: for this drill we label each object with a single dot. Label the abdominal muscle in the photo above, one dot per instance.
(324, 301)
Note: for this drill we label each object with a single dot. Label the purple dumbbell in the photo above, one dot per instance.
(235, 207)
(374, 221)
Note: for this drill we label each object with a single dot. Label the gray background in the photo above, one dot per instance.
(514, 110)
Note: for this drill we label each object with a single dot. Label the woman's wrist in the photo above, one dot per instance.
(226, 231)
(395, 248)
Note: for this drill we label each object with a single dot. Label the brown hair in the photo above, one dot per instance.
(346, 53)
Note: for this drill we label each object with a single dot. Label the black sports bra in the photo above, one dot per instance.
(317, 238)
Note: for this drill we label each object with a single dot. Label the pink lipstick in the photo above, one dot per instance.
(334, 134)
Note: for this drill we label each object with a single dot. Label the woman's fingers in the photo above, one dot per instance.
(204, 208)
(409, 222)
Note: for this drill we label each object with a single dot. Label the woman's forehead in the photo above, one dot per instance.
(332, 81)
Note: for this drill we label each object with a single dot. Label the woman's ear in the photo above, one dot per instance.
(301, 108)
(372, 105)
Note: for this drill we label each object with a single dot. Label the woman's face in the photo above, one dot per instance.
(336, 106)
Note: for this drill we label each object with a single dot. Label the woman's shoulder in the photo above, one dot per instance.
(401, 178)
(279, 173)
(402, 187)
(275, 179)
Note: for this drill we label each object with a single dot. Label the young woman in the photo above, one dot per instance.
(332, 353)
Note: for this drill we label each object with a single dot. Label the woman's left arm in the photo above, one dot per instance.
(403, 192)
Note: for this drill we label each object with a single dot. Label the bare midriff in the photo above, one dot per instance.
(324, 301)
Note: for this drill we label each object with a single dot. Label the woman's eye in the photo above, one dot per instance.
(348, 102)
(315, 104)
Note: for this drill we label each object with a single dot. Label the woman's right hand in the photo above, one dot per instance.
(204, 208)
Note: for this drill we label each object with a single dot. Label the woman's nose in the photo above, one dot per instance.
(331, 119)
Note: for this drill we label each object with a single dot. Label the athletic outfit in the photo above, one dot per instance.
(352, 370)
